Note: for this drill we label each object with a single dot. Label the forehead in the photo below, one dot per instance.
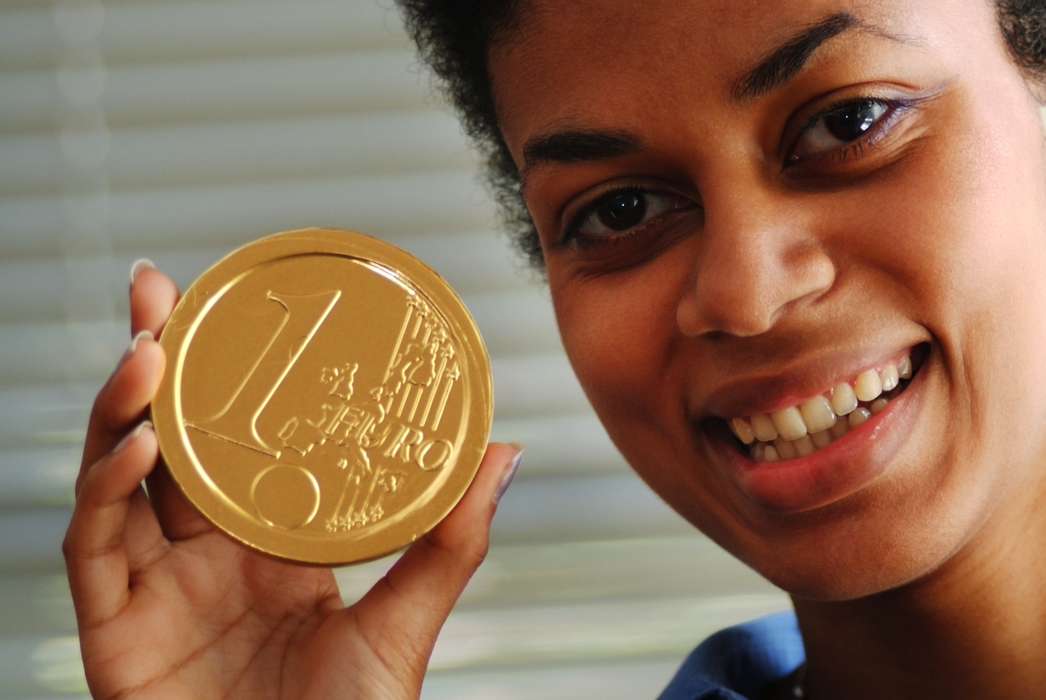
(603, 59)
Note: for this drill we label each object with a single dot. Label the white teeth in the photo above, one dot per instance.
(868, 385)
(743, 430)
(817, 414)
(890, 378)
(789, 424)
(859, 416)
(844, 400)
(823, 438)
(801, 430)
(785, 448)
(805, 446)
(764, 428)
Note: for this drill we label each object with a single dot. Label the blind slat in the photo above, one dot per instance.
(231, 215)
(254, 87)
(198, 154)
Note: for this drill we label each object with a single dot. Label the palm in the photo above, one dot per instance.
(169, 607)
(221, 610)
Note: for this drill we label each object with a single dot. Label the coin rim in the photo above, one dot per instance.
(226, 515)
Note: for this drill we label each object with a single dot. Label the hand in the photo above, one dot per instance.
(169, 607)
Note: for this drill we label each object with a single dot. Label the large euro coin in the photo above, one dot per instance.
(327, 396)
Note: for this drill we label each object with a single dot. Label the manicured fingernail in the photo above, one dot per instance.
(146, 334)
(139, 265)
(510, 472)
(132, 435)
(133, 346)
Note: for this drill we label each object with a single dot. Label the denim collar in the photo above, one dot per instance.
(739, 663)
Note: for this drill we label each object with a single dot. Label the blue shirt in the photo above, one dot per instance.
(739, 663)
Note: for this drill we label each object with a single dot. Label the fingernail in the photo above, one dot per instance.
(133, 346)
(132, 435)
(510, 472)
(146, 334)
(139, 265)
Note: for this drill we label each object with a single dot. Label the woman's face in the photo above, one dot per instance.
(744, 204)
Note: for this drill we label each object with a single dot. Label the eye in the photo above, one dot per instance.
(840, 126)
(619, 211)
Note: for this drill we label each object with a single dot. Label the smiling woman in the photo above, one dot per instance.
(795, 251)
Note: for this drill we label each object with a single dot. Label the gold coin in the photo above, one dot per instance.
(327, 396)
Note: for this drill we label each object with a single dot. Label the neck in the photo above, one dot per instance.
(974, 628)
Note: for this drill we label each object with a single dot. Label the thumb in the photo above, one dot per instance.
(405, 610)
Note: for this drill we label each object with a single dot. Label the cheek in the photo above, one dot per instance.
(959, 247)
(619, 332)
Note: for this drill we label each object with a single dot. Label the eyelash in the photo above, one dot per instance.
(896, 108)
(572, 230)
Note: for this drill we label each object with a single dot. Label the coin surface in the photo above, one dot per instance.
(327, 397)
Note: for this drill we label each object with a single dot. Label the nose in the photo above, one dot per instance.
(756, 261)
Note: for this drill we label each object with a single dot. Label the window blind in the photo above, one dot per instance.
(178, 130)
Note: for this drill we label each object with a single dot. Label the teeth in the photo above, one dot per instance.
(890, 378)
(844, 400)
(785, 448)
(805, 446)
(859, 416)
(817, 414)
(801, 430)
(868, 385)
(743, 430)
(789, 424)
(823, 438)
(764, 428)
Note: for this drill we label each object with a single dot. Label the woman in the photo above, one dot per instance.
(741, 208)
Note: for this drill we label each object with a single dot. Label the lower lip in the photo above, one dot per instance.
(833, 472)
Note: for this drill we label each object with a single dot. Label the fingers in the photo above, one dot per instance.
(177, 516)
(94, 547)
(418, 593)
(153, 298)
(122, 402)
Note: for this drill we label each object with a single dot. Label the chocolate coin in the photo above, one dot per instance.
(327, 397)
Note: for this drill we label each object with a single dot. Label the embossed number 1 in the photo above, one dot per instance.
(237, 421)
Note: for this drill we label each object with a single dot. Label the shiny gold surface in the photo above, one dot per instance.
(327, 396)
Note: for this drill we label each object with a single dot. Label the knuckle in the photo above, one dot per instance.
(475, 550)
(69, 545)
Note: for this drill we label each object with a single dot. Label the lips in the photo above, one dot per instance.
(814, 451)
(801, 429)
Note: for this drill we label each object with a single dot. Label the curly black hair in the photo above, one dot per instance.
(454, 36)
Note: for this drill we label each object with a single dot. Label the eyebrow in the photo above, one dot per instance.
(573, 146)
(783, 63)
(780, 65)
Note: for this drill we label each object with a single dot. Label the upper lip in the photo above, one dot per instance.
(765, 388)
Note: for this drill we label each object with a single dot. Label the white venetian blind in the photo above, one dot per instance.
(180, 129)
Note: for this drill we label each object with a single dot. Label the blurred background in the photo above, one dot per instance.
(180, 129)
